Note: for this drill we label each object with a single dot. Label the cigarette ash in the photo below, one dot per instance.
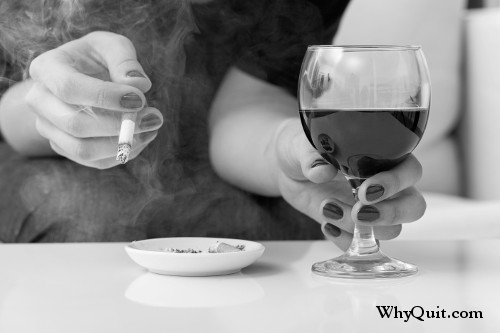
(218, 247)
(123, 153)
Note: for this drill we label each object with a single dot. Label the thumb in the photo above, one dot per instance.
(118, 53)
(297, 157)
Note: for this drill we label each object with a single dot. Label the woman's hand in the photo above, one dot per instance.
(79, 93)
(257, 143)
(317, 189)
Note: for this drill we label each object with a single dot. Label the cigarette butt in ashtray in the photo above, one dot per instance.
(220, 247)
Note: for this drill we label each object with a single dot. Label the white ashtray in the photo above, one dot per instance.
(156, 255)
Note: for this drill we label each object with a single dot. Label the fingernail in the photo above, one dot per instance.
(131, 101)
(333, 211)
(135, 74)
(332, 230)
(146, 136)
(318, 163)
(149, 121)
(368, 214)
(373, 192)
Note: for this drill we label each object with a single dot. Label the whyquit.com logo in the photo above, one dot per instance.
(419, 313)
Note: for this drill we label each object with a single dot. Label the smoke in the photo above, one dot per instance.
(158, 29)
(185, 47)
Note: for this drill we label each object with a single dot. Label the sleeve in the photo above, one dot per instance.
(274, 50)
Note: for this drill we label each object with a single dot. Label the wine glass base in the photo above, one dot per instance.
(371, 266)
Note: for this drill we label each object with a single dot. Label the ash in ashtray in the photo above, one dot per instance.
(173, 250)
(218, 247)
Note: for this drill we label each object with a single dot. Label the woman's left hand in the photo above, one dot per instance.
(316, 188)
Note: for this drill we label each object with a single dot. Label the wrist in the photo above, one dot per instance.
(17, 122)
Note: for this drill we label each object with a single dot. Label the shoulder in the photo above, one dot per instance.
(281, 34)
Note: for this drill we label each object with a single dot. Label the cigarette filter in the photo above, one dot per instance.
(220, 247)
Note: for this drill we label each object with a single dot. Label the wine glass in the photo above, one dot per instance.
(364, 108)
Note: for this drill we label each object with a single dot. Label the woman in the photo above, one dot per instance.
(218, 79)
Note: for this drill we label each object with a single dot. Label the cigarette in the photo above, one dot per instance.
(126, 136)
(221, 247)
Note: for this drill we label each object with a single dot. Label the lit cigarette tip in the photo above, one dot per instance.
(123, 153)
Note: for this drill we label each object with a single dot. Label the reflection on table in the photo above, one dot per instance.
(97, 288)
(207, 292)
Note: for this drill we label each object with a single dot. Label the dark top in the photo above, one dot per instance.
(170, 189)
(269, 38)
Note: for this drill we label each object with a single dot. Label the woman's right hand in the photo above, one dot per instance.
(80, 91)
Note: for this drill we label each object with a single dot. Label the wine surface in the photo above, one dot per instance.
(364, 142)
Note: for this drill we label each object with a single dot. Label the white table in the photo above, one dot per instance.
(96, 288)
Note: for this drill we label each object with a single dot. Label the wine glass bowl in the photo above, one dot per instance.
(364, 109)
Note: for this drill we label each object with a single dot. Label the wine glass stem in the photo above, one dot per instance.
(363, 241)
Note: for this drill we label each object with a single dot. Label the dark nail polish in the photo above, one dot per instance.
(131, 101)
(149, 121)
(332, 230)
(368, 214)
(318, 163)
(373, 192)
(135, 74)
(146, 136)
(333, 211)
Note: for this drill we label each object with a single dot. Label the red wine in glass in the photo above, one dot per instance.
(362, 143)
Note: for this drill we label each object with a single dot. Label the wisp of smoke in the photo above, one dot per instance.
(158, 31)
(185, 49)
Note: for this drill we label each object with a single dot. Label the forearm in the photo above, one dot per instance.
(17, 122)
(246, 119)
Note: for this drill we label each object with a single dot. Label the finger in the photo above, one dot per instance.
(105, 163)
(86, 149)
(299, 159)
(337, 213)
(310, 198)
(408, 206)
(313, 166)
(119, 55)
(386, 184)
(80, 123)
(55, 70)
(339, 237)
(149, 119)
